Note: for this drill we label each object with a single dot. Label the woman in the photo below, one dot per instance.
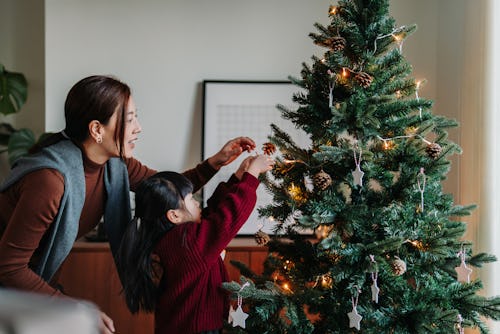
(60, 191)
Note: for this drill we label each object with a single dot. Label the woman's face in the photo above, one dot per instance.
(132, 130)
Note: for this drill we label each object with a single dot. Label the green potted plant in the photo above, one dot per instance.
(13, 95)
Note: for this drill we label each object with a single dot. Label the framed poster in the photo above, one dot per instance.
(245, 108)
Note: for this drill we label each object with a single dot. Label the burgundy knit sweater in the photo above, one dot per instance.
(192, 298)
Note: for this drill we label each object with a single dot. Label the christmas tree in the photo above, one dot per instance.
(389, 254)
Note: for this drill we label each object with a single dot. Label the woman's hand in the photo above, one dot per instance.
(106, 325)
(230, 151)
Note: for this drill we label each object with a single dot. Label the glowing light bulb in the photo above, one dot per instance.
(333, 10)
(345, 73)
(397, 38)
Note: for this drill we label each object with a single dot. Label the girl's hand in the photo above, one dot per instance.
(244, 166)
(260, 164)
(106, 325)
(230, 151)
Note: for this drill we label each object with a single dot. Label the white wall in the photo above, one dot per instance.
(165, 49)
(22, 50)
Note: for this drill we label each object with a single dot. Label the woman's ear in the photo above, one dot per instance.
(174, 216)
(96, 131)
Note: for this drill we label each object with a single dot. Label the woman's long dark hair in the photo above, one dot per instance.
(153, 198)
(95, 97)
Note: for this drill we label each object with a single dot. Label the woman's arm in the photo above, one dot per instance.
(37, 197)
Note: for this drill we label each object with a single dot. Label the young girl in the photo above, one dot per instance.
(170, 226)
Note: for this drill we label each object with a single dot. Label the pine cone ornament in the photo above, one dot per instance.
(398, 266)
(364, 79)
(268, 148)
(262, 237)
(337, 43)
(322, 180)
(433, 150)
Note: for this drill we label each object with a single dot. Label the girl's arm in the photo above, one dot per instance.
(234, 202)
(221, 223)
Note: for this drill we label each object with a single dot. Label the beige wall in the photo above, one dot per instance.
(164, 49)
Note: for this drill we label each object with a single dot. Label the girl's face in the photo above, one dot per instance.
(192, 209)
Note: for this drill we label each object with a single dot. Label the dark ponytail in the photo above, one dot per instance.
(154, 197)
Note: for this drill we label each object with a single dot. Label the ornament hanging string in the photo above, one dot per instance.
(421, 179)
(355, 297)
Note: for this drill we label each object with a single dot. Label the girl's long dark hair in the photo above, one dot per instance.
(153, 198)
(96, 97)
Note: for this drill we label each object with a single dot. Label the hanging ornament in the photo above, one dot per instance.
(421, 179)
(237, 317)
(433, 150)
(398, 266)
(337, 43)
(331, 86)
(460, 328)
(463, 272)
(322, 180)
(364, 79)
(354, 317)
(308, 183)
(374, 287)
(261, 237)
(357, 174)
(231, 311)
(268, 148)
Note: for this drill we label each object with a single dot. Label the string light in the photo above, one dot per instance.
(285, 286)
(296, 193)
(333, 10)
(322, 231)
(416, 243)
(410, 135)
(388, 144)
(396, 34)
(417, 87)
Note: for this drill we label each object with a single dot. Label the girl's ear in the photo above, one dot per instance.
(174, 216)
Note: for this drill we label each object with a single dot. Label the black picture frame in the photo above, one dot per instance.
(233, 108)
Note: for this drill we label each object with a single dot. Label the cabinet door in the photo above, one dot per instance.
(91, 275)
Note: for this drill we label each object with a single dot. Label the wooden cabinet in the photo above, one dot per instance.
(89, 273)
